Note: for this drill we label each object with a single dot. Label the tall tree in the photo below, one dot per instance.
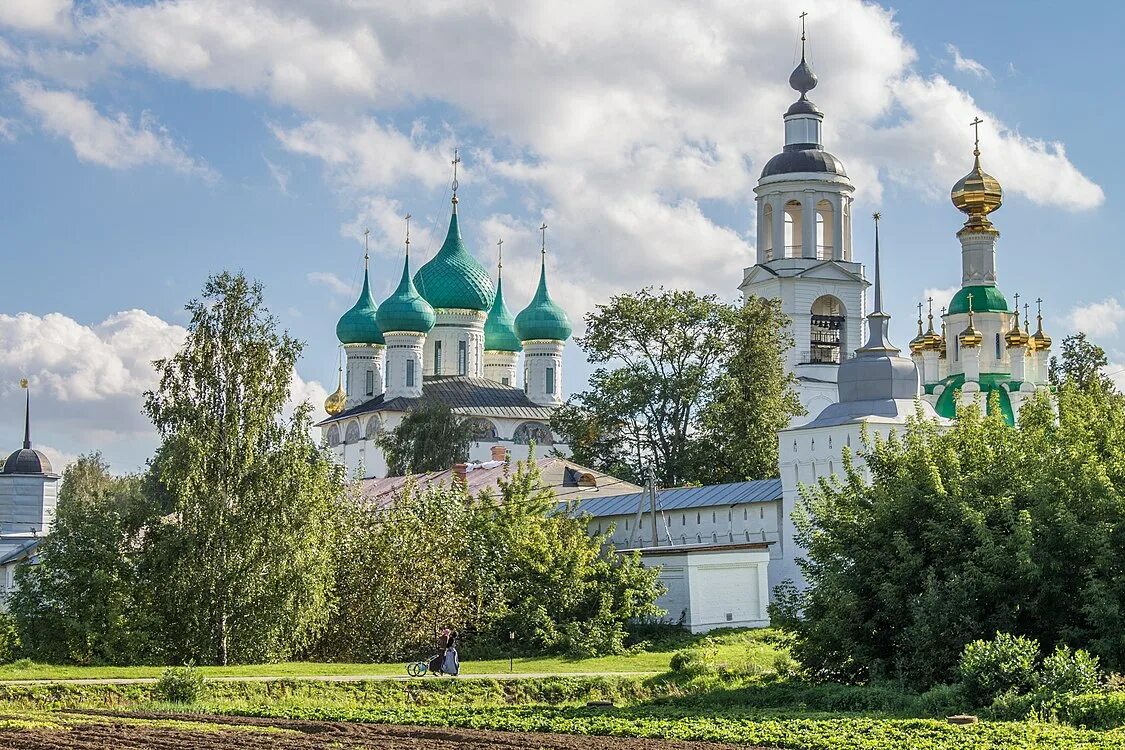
(244, 558)
(82, 601)
(429, 438)
(680, 372)
(1083, 364)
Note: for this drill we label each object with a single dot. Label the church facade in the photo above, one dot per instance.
(446, 333)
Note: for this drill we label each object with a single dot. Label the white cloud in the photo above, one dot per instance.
(50, 16)
(7, 129)
(113, 142)
(279, 174)
(966, 64)
(941, 297)
(1116, 373)
(1097, 319)
(331, 282)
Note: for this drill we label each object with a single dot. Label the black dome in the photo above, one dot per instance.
(27, 461)
(802, 107)
(804, 160)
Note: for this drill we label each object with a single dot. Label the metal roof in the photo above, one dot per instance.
(478, 397)
(679, 498)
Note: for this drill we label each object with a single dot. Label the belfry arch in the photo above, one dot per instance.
(827, 331)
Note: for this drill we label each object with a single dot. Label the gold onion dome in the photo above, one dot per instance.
(335, 403)
(1016, 337)
(1040, 341)
(918, 343)
(935, 342)
(978, 193)
(970, 338)
(942, 344)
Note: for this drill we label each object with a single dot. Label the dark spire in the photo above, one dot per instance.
(802, 78)
(26, 416)
(878, 321)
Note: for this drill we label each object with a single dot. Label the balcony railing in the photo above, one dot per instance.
(824, 356)
(823, 252)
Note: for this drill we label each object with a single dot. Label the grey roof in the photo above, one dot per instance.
(464, 395)
(27, 461)
(23, 551)
(680, 498)
(803, 160)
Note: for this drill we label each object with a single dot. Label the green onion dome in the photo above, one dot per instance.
(358, 325)
(543, 319)
(500, 327)
(405, 310)
(985, 299)
(453, 279)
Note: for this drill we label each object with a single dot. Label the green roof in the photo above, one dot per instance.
(985, 299)
(405, 310)
(989, 381)
(500, 328)
(543, 319)
(453, 279)
(358, 325)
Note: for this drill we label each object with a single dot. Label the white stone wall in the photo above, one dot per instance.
(362, 359)
(402, 348)
(710, 589)
(27, 503)
(453, 328)
(502, 367)
(538, 356)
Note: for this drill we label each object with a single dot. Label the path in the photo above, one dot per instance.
(322, 678)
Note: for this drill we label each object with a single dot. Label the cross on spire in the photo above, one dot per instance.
(366, 252)
(878, 287)
(455, 162)
(930, 302)
(919, 313)
(802, 17)
(1026, 320)
(407, 220)
(1017, 308)
(543, 231)
(500, 253)
(976, 123)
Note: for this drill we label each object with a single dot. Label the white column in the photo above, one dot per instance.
(543, 363)
(500, 366)
(778, 203)
(403, 378)
(762, 203)
(1017, 355)
(808, 226)
(838, 227)
(920, 363)
(364, 358)
(970, 359)
(930, 374)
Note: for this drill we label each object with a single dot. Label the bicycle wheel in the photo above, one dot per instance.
(416, 668)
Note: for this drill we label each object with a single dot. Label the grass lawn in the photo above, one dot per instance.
(733, 647)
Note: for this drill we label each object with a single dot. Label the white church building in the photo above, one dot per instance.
(446, 333)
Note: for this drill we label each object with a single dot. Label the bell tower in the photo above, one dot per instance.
(804, 249)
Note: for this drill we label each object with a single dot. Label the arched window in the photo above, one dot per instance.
(793, 248)
(998, 349)
(374, 427)
(333, 436)
(352, 434)
(767, 233)
(482, 430)
(827, 344)
(825, 230)
(533, 431)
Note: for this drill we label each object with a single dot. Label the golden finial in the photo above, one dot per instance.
(1016, 338)
(336, 402)
(978, 193)
(455, 162)
(970, 338)
(23, 382)
(1041, 340)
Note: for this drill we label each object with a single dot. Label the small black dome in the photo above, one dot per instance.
(804, 160)
(802, 107)
(27, 461)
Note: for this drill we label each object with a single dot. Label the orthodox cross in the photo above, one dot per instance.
(455, 162)
(543, 231)
(407, 219)
(919, 313)
(500, 253)
(802, 17)
(976, 123)
(1026, 320)
(366, 255)
(1039, 310)
(970, 296)
(930, 302)
(1017, 310)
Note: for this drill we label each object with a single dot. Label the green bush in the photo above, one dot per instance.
(691, 662)
(9, 638)
(179, 684)
(942, 700)
(1094, 710)
(1067, 671)
(989, 669)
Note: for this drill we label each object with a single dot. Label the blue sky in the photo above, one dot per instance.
(145, 145)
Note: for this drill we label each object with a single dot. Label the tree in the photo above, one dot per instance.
(691, 388)
(241, 567)
(429, 438)
(1083, 364)
(82, 602)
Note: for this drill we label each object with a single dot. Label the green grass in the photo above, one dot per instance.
(735, 647)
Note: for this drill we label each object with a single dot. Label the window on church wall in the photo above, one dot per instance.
(827, 323)
(792, 235)
(505, 381)
(333, 436)
(409, 373)
(437, 358)
(526, 378)
(551, 380)
(998, 350)
(462, 357)
(370, 384)
(352, 434)
(374, 427)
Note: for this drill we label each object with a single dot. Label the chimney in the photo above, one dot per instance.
(499, 453)
(459, 472)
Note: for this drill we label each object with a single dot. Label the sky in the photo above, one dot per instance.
(145, 145)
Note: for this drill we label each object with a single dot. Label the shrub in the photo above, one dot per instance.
(9, 638)
(991, 668)
(180, 684)
(698, 660)
(785, 665)
(1094, 710)
(1067, 671)
(941, 700)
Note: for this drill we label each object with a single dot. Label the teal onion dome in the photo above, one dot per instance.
(543, 319)
(405, 310)
(453, 279)
(500, 327)
(358, 325)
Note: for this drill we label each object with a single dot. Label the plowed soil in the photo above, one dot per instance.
(256, 734)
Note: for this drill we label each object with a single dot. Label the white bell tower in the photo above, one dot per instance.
(804, 250)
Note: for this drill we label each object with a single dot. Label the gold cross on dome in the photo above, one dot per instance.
(976, 123)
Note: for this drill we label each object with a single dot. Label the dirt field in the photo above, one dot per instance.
(165, 732)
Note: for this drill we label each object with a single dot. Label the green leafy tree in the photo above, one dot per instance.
(241, 567)
(429, 438)
(680, 372)
(82, 601)
(1083, 364)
